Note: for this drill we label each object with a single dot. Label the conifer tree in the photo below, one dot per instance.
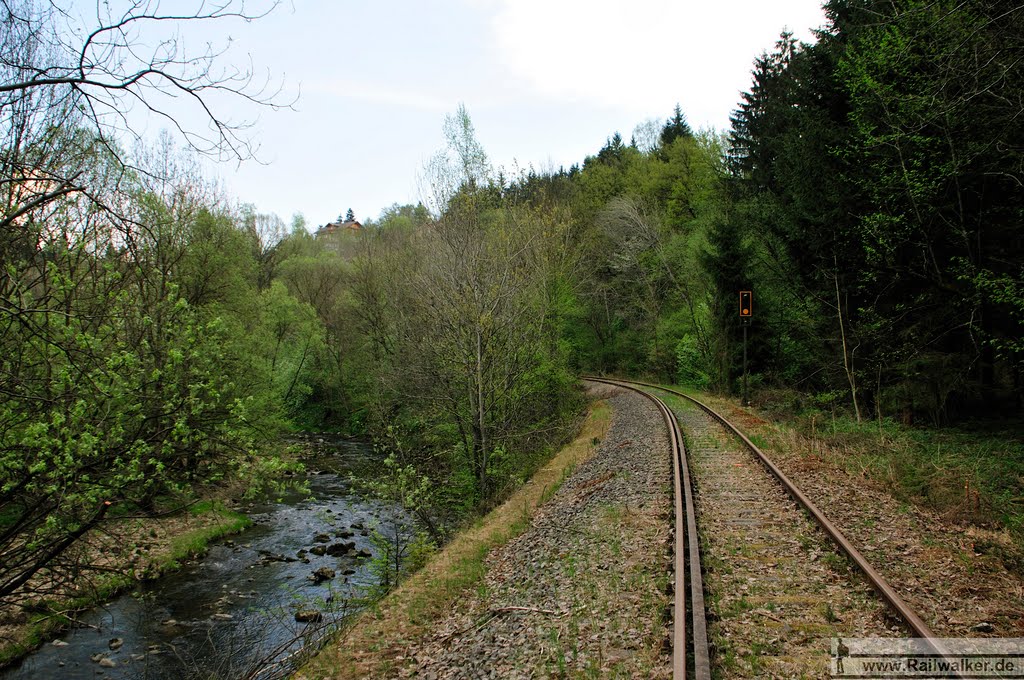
(675, 127)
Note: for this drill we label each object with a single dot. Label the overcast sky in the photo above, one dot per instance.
(545, 82)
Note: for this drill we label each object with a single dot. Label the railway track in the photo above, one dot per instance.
(690, 651)
(691, 656)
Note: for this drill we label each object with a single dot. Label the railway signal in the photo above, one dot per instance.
(746, 314)
(746, 305)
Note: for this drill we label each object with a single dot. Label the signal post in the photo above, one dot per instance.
(746, 313)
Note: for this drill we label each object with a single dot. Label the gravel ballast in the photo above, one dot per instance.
(963, 580)
(778, 589)
(582, 590)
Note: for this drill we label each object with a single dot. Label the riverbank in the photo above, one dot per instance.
(126, 552)
(250, 602)
(374, 643)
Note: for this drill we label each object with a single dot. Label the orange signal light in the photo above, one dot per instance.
(746, 304)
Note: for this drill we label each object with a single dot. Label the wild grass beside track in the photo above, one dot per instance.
(967, 474)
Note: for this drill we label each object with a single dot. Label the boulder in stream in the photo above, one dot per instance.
(308, 616)
(267, 556)
(322, 574)
(103, 660)
(339, 549)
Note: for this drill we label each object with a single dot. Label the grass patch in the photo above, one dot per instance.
(371, 644)
(971, 476)
(195, 543)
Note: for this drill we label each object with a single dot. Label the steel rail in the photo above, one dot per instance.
(916, 624)
(687, 562)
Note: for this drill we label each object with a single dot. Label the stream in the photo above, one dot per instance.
(233, 612)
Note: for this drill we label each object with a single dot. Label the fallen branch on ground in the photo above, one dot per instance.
(498, 611)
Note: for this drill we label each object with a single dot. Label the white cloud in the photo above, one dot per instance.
(643, 56)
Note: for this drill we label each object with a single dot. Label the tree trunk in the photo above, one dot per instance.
(480, 424)
(847, 358)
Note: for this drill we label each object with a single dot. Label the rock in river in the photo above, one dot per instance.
(322, 574)
(103, 660)
(339, 549)
(308, 616)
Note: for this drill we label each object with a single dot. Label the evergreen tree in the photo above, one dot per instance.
(612, 152)
(729, 262)
(675, 127)
(894, 241)
(350, 216)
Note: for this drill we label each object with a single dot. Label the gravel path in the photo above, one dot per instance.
(582, 591)
(778, 590)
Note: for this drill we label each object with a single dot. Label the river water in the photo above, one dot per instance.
(233, 611)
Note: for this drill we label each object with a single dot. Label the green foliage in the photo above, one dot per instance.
(154, 341)
(401, 485)
(412, 534)
(458, 315)
(887, 249)
(1006, 294)
(398, 555)
(970, 474)
(296, 337)
(690, 369)
(197, 542)
(267, 473)
(137, 365)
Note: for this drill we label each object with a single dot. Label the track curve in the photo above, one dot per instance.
(689, 585)
(878, 582)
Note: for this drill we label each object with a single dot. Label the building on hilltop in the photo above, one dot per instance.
(340, 236)
(350, 225)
